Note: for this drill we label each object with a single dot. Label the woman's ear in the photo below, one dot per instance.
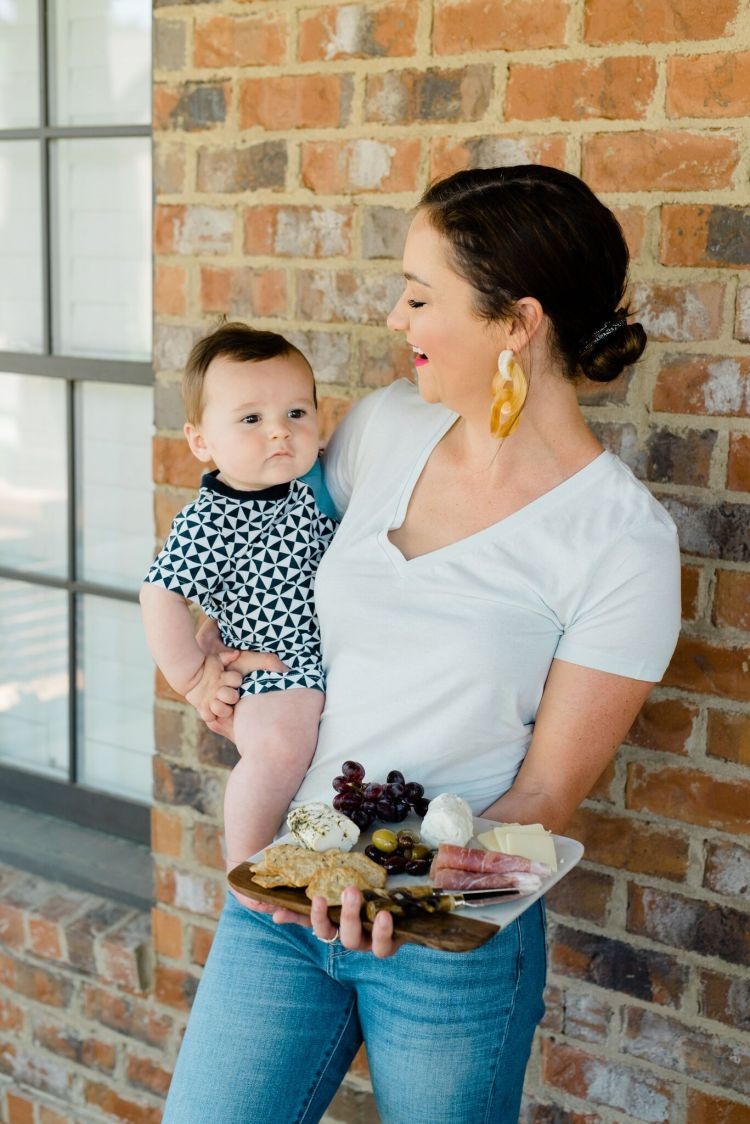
(527, 317)
(196, 442)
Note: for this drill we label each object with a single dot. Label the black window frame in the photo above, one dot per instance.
(69, 799)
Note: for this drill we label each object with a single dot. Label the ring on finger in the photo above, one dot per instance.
(329, 940)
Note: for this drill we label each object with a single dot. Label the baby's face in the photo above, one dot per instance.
(259, 423)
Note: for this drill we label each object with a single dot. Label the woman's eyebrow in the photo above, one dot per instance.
(419, 280)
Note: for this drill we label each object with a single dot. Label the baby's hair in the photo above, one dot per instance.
(230, 340)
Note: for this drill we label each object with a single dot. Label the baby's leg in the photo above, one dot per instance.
(276, 734)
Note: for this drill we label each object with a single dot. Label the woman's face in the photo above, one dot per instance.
(455, 353)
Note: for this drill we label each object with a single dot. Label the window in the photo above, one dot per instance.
(76, 537)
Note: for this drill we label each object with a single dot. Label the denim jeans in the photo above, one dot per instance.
(279, 1016)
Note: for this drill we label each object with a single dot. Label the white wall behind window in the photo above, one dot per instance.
(115, 501)
(115, 680)
(20, 247)
(19, 64)
(33, 474)
(34, 678)
(101, 194)
(101, 62)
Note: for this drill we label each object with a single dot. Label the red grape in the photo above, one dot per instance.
(353, 771)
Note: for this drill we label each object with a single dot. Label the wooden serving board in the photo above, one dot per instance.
(450, 932)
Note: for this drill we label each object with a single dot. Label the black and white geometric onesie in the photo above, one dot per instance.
(248, 559)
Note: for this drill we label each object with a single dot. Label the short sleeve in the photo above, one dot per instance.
(341, 455)
(186, 564)
(628, 620)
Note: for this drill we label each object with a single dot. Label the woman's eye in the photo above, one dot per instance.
(415, 304)
(251, 419)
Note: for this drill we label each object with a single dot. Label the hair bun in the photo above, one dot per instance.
(611, 349)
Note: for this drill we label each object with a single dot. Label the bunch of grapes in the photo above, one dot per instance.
(364, 802)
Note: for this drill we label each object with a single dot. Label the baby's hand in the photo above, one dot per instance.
(216, 689)
(245, 662)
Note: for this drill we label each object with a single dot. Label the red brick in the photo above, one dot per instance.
(68, 1043)
(728, 736)
(657, 21)
(344, 167)
(12, 932)
(405, 97)
(243, 291)
(706, 1108)
(708, 668)
(193, 788)
(690, 796)
(627, 844)
(679, 313)
(46, 939)
(123, 954)
(11, 1015)
(684, 456)
(174, 987)
(190, 891)
(35, 983)
(703, 384)
(710, 235)
(659, 161)
(695, 1053)
(20, 1110)
(190, 106)
(690, 591)
(300, 232)
(633, 223)
(686, 923)
(604, 961)
(724, 998)
(167, 930)
(732, 599)
(232, 41)
(452, 154)
(330, 413)
(166, 833)
(709, 85)
(727, 869)
(169, 169)
(241, 168)
(207, 845)
(581, 89)
(584, 894)
(119, 1107)
(170, 733)
(144, 1073)
(742, 314)
(712, 530)
(193, 230)
(738, 463)
(200, 946)
(357, 31)
(501, 25)
(174, 464)
(664, 724)
(127, 1015)
(169, 290)
(49, 1116)
(601, 1081)
(294, 101)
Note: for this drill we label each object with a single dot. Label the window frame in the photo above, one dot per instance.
(68, 799)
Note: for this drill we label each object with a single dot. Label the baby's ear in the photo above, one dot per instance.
(195, 441)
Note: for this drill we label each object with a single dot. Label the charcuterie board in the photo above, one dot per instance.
(450, 932)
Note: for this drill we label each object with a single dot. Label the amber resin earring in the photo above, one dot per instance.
(509, 390)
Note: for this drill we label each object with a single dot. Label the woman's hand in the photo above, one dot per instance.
(351, 934)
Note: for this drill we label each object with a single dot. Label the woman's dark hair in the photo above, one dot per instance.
(534, 231)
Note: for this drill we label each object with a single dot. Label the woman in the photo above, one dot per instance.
(496, 605)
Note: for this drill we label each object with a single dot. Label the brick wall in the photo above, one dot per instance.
(291, 139)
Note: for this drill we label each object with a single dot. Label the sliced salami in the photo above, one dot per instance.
(482, 862)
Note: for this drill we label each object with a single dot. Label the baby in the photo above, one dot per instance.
(246, 551)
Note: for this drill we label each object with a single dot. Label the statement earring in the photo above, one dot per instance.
(509, 390)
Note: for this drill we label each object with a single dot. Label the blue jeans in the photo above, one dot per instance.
(279, 1016)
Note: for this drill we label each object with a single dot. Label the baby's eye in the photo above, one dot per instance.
(251, 419)
(298, 412)
(415, 304)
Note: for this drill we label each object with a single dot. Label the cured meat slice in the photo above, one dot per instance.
(448, 879)
(482, 862)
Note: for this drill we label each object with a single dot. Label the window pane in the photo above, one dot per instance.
(114, 425)
(33, 471)
(116, 677)
(101, 61)
(20, 247)
(101, 195)
(19, 64)
(34, 678)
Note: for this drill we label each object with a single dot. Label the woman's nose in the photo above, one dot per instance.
(396, 318)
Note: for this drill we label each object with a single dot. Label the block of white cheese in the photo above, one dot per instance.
(528, 839)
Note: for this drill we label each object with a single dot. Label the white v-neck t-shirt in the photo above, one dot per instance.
(436, 665)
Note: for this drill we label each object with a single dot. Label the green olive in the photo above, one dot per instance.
(419, 851)
(385, 840)
(407, 838)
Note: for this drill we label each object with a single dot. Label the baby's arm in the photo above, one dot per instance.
(170, 635)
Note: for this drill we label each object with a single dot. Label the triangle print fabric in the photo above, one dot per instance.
(248, 559)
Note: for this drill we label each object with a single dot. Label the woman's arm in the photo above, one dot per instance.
(582, 719)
